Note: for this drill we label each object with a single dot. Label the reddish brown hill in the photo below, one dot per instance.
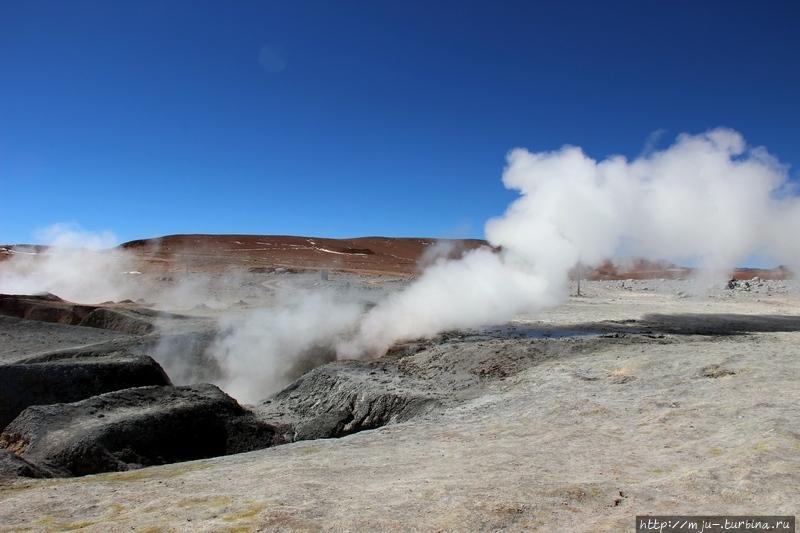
(780, 272)
(636, 268)
(640, 268)
(364, 255)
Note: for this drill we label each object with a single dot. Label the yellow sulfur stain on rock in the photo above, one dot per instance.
(52, 524)
(149, 473)
(210, 501)
(247, 512)
(765, 446)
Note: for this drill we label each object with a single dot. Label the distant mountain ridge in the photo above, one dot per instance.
(390, 256)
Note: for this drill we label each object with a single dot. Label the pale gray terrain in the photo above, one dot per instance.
(637, 397)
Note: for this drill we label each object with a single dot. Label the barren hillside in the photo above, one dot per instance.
(389, 256)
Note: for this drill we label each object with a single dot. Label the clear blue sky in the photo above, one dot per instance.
(351, 118)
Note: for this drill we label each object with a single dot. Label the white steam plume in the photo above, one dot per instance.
(72, 235)
(77, 266)
(259, 353)
(707, 199)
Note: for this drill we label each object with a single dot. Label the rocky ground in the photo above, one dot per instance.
(637, 397)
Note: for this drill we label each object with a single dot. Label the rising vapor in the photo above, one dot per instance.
(708, 200)
(76, 264)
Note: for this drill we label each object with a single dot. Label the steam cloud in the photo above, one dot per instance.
(77, 266)
(708, 199)
(268, 348)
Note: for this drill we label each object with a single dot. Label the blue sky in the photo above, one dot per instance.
(345, 118)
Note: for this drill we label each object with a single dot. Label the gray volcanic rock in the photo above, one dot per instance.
(13, 466)
(133, 428)
(127, 321)
(22, 339)
(50, 308)
(50, 379)
(345, 397)
(413, 379)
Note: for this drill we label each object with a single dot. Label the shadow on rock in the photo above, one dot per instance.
(12, 466)
(134, 428)
(64, 378)
(721, 324)
(342, 398)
